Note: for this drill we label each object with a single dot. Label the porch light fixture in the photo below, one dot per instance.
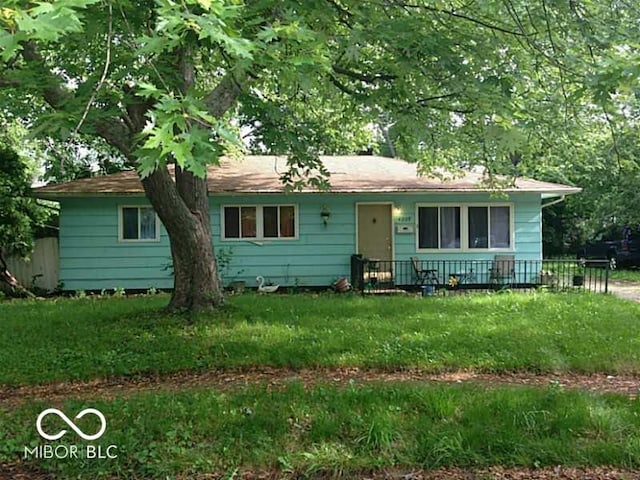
(325, 214)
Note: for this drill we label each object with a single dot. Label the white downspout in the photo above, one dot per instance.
(557, 200)
(544, 205)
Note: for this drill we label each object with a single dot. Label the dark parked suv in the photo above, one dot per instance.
(619, 245)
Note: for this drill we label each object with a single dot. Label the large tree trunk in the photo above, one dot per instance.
(182, 203)
(183, 207)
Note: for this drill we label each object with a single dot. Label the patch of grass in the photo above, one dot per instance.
(44, 341)
(630, 275)
(342, 430)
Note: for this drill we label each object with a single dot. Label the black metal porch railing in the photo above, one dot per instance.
(502, 272)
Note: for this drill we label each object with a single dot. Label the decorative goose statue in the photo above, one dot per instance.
(262, 288)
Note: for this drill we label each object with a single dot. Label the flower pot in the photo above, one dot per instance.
(238, 286)
(428, 290)
(342, 285)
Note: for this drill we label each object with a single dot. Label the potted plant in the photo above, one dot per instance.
(341, 285)
(237, 286)
(578, 275)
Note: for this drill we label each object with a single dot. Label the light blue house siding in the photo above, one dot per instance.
(93, 258)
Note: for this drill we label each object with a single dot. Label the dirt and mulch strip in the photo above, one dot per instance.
(455, 473)
(450, 473)
(110, 388)
(20, 471)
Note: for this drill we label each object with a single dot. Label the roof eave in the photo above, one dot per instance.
(560, 192)
(58, 195)
(544, 193)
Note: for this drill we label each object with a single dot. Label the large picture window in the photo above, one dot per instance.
(259, 222)
(138, 224)
(464, 227)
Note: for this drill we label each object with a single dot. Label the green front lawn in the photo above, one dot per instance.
(299, 430)
(45, 341)
(340, 431)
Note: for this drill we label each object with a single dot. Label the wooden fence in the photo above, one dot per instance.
(42, 269)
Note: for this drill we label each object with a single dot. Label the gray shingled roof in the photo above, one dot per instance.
(349, 174)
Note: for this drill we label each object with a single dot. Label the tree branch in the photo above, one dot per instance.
(427, 102)
(345, 15)
(9, 284)
(363, 77)
(53, 92)
(454, 14)
(224, 95)
(342, 87)
(555, 52)
(529, 39)
(446, 108)
(105, 70)
(162, 193)
(191, 189)
(116, 134)
(423, 101)
(9, 82)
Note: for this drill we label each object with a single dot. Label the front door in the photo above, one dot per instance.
(375, 231)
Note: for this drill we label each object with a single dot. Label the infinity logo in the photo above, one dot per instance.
(73, 426)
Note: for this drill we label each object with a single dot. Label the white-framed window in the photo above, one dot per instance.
(464, 227)
(138, 224)
(489, 227)
(439, 227)
(259, 222)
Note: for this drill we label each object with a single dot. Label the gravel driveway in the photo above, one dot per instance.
(628, 290)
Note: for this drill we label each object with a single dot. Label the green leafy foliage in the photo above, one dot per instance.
(164, 145)
(459, 85)
(46, 21)
(19, 213)
(608, 170)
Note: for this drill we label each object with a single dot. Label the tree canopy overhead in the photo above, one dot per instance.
(508, 84)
